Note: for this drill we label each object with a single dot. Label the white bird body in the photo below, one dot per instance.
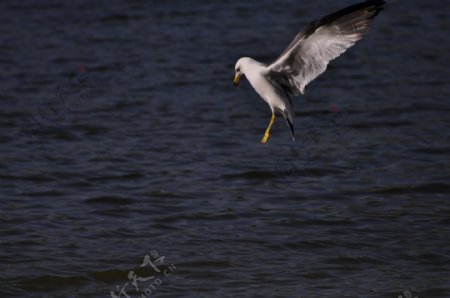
(306, 58)
(257, 74)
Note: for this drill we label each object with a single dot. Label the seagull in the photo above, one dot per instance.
(306, 58)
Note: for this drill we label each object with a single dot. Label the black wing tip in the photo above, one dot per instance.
(291, 128)
(378, 6)
(377, 2)
(373, 6)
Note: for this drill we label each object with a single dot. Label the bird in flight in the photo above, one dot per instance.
(306, 58)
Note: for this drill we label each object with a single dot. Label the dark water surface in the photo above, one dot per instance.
(123, 137)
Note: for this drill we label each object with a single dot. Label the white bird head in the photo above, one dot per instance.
(239, 69)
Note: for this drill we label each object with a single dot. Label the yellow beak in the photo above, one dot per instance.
(237, 79)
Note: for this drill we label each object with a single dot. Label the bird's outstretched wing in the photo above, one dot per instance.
(320, 42)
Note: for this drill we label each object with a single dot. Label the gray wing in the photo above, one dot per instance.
(320, 42)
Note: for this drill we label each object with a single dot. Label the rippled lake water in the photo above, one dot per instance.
(129, 161)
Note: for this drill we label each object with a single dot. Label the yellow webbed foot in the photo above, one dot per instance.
(265, 138)
(267, 134)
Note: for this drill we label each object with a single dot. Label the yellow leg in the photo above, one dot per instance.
(267, 134)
